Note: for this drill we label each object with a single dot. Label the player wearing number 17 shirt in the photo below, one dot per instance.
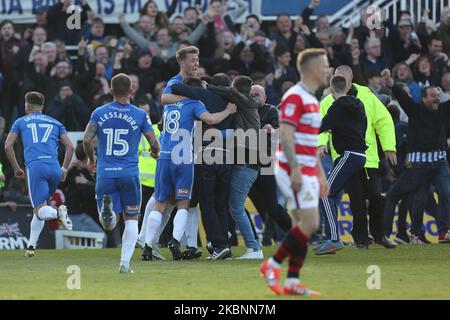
(40, 138)
(118, 127)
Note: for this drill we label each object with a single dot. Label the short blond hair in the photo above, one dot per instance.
(307, 55)
(183, 53)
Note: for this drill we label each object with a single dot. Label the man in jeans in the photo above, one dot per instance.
(214, 175)
(245, 170)
(427, 144)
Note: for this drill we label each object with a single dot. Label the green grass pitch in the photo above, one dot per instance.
(408, 272)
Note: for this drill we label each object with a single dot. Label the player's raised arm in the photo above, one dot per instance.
(65, 140)
(214, 118)
(88, 145)
(9, 150)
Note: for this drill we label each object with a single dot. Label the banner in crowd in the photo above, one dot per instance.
(15, 230)
(22, 11)
(345, 222)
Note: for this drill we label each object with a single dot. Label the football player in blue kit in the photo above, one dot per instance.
(175, 167)
(40, 136)
(118, 127)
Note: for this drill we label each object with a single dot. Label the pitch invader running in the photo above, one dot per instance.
(175, 168)
(40, 137)
(118, 127)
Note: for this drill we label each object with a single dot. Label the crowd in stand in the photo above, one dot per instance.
(416, 52)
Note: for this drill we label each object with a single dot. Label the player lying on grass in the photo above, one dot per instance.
(175, 168)
(118, 127)
(40, 137)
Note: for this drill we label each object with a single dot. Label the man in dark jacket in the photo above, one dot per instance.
(245, 170)
(214, 175)
(427, 163)
(346, 119)
(264, 191)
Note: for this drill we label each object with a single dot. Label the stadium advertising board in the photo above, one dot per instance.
(22, 11)
(15, 230)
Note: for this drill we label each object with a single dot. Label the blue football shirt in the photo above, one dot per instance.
(119, 130)
(40, 137)
(178, 79)
(179, 120)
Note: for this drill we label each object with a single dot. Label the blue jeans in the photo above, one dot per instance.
(417, 181)
(241, 181)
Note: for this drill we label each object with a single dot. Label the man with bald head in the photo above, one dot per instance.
(264, 191)
(363, 185)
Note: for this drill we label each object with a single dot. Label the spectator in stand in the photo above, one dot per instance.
(39, 37)
(423, 72)
(41, 17)
(247, 58)
(9, 46)
(146, 26)
(402, 73)
(443, 32)
(68, 108)
(375, 84)
(148, 75)
(374, 59)
(178, 29)
(284, 35)
(161, 19)
(402, 40)
(191, 18)
(50, 51)
(61, 50)
(439, 59)
(164, 47)
(95, 32)
(281, 69)
(79, 192)
(57, 18)
(445, 85)
(219, 61)
(102, 56)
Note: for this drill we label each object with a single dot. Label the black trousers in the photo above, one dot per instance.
(214, 183)
(364, 185)
(264, 196)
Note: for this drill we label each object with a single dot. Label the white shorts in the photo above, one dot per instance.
(307, 198)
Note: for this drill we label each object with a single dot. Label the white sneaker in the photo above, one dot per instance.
(64, 217)
(252, 255)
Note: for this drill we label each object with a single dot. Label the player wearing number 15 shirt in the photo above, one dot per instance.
(118, 127)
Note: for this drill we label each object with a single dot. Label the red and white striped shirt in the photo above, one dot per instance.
(301, 109)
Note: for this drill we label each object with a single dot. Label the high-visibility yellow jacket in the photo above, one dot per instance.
(379, 122)
(147, 165)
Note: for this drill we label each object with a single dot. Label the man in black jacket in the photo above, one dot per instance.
(346, 119)
(426, 160)
(245, 170)
(264, 191)
(214, 177)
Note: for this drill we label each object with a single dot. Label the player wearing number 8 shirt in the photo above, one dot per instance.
(118, 127)
(175, 168)
(40, 137)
